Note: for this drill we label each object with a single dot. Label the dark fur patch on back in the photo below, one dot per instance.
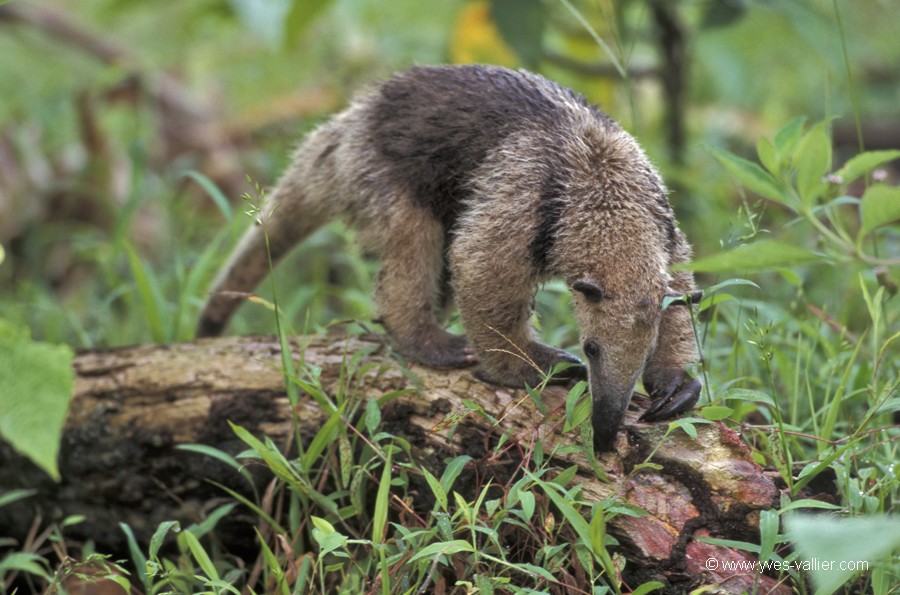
(549, 212)
(435, 126)
(666, 219)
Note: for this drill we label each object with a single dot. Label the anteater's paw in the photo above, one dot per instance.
(440, 349)
(515, 368)
(547, 358)
(674, 392)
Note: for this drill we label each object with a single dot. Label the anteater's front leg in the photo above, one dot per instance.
(494, 284)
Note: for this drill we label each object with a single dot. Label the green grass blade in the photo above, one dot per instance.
(160, 535)
(196, 548)
(148, 290)
(213, 192)
(137, 558)
(379, 519)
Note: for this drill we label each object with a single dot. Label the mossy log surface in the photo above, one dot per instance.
(134, 406)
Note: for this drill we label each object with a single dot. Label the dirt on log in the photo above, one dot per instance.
(134, 406)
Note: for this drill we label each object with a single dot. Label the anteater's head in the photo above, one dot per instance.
(618, 334)
(619, 303)
(617, 242)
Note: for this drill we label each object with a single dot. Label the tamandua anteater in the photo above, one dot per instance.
(496, 180)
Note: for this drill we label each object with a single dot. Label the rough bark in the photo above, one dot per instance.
(132, 407)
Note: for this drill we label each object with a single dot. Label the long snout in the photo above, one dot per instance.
(609, 404)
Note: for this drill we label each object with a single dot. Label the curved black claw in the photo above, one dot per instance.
(680, 395)
(546, 358)
(575, 371)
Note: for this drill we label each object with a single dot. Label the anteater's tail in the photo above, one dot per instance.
(303, 201)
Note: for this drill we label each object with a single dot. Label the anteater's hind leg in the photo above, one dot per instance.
(409, 286)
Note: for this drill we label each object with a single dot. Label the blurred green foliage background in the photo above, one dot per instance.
(106, 104)
(131, 129)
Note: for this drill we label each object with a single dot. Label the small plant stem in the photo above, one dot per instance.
(854, 96)
(779, 422)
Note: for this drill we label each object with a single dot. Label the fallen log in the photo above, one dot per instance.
(134, 406)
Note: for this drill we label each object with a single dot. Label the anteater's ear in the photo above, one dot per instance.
(590, 290)
(683, 299)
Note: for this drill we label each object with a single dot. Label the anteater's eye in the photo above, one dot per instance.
(591, 349)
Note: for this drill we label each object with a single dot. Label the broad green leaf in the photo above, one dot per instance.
(577, 408)
(328, 542)
(452, 471)
(442, 548)
(686, 425)
(440, 495)
(716, 413)
(327, 536)
(526, 498)
(791, 277)
(72, 520)
(323, 525)
(751, 175)
(758, 256)
(714, 300)
(373, 416)
(788, 136)
(813, 161)
(860, 165)
(564, 478)
(841, 539)
(889, 406)
(768, 156)
(34, 395)
(747, 394)
(880, 206)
